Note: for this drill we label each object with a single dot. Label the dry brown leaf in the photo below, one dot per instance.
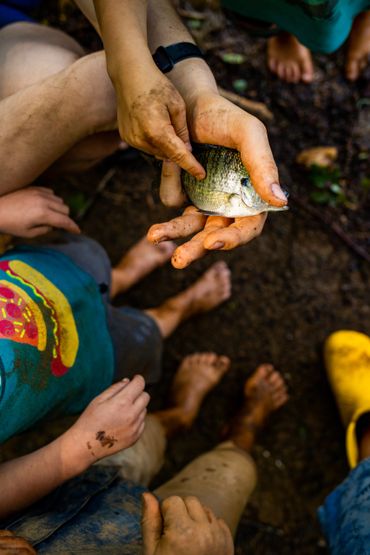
(322, 156)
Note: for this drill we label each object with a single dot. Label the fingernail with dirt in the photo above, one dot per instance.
(278, 192)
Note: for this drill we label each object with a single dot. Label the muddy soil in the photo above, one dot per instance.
(292, 287)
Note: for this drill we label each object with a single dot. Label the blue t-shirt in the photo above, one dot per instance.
(56, 353)
(12, 11)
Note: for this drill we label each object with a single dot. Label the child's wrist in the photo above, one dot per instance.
(75, 456)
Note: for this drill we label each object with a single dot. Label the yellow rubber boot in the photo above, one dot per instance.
(347, 359)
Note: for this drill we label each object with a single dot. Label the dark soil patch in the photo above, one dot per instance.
(291, 287)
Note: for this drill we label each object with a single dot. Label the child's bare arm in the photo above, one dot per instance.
(151, 113)
(112, 421)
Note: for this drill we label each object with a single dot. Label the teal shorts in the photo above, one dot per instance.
(321, 25)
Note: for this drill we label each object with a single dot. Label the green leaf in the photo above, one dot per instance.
(194, 24)
(335, 188)
(76, 202)
(233, 58)
(240, 85)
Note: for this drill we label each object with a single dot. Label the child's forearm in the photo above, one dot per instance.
(27, 479)
(191, 76)
(123, 28)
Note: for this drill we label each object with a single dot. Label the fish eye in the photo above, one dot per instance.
(244, 181)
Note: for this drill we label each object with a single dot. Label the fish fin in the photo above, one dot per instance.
(208, 212)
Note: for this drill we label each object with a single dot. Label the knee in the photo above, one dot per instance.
(30, 52)
(235, 463)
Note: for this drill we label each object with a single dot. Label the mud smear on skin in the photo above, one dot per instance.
(105, 440)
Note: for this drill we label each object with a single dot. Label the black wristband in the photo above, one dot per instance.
(165, 57)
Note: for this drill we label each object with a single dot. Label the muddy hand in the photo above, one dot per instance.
(214, 120)
(211, 233)
(183, 526)
(152, 118)
(112, 421)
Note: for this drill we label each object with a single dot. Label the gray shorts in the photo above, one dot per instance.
(136, 338)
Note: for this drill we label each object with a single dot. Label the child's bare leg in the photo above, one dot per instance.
(229, 467)
(289, 59)
(210, 290)
(44, 91)
(358, 46)
(196, 376)
(139, 261)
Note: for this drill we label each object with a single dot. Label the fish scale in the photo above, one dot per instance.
(227, 189)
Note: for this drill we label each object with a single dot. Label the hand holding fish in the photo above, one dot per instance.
(152, 117)
(211, 233)
(214, 120)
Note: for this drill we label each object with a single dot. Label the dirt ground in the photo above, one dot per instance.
(292, 286)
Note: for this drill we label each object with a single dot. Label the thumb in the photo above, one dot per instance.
(257, 157)
(151, 523)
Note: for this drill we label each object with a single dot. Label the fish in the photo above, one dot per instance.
(227, 189)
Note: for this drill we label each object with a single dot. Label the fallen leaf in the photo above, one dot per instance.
(240, 85)
(233, 58)
(322, 156)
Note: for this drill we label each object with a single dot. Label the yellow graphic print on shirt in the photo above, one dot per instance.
(21, 319)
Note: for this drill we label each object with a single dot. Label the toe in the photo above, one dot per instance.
(289, 72)
(306, 69)
(296, 73)
(209, 358)
(275, 379)
(281, 70)
(220, 266)
(265, 370)
(272, 64)
(223, 363)
(352, 69)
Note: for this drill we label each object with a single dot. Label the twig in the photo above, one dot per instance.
(258, 108)
(100, 188)
(333, 226)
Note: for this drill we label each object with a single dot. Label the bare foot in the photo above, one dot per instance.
(289, 59)
(358, 46)
(209, 291)
(197, 375)
(139, 261)
(264, 393)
